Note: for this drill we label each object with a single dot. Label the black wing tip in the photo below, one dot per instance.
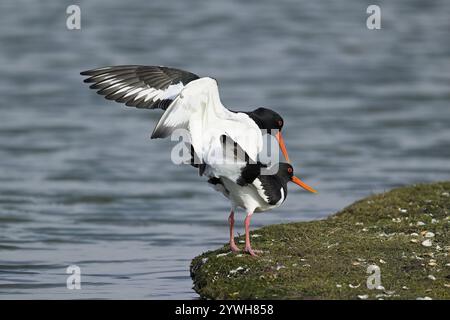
(161, 132)
(157, 133)
(96, 71)
(92, 72)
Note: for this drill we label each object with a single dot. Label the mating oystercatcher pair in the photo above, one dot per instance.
(193, 104)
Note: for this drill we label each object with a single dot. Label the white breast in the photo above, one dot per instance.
(248, 197)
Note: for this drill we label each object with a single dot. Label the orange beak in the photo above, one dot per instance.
(299, 182)
(280, 140)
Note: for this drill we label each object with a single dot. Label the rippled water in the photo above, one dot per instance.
(81, 182)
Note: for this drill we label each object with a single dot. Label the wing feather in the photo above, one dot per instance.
(127, 84)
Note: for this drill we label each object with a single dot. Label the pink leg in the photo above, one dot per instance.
(248, 247)
(233, 245)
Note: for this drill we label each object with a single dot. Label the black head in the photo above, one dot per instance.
(266, 118)
(285, 171)
(286, 174)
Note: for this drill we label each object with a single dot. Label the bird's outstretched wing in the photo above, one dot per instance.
(139, 86)
(190, 103)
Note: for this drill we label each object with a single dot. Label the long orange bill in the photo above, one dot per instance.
(280, 140)
(299, 182)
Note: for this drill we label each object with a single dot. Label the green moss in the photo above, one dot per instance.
(328, 259)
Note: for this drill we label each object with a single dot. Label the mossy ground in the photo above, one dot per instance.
(328, 259)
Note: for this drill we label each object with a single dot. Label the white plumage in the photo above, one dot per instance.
(198, 109)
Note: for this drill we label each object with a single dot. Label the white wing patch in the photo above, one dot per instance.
(154, 94)
(258, 185)
(170, 93)
(282, 197)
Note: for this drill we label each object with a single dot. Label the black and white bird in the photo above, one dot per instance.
(192, 103)
(264, 192)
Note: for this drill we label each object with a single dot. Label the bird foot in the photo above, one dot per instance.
(252, 252)
(234, 247)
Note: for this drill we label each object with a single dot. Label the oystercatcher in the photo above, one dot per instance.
(264, 192)
(192, 103)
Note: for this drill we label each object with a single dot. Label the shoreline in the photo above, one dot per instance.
(405, 233)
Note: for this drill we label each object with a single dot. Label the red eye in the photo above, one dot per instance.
(290, 170)
(280, 123)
